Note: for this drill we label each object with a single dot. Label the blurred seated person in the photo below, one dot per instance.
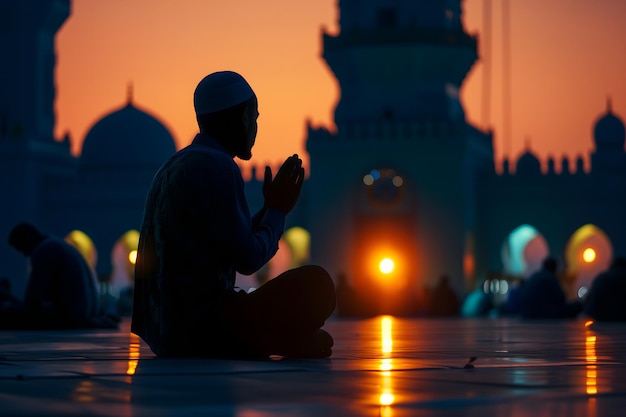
(543, 297)
(61, 291)
(443, 299)
(511, 306)
(7, 299)
(605, 299)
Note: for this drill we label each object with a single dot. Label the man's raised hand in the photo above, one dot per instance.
(282, 191)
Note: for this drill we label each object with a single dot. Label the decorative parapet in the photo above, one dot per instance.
(389, 131)
(565, 171)
(382, 36)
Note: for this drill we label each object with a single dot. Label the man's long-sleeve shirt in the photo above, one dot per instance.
(196, 234)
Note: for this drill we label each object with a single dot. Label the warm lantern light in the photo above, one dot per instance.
(386, 266)
(386, 398)
(589, 255)
(132, 256)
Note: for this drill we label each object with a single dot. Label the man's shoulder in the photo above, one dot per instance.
(202, 153)
(198, 163)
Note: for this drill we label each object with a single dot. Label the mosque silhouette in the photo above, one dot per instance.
(403, 177)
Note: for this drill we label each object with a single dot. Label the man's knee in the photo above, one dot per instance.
(317, 277)
(320, 283)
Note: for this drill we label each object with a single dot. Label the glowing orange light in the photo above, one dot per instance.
(589, 255)
(386, 398)
(132, 256)
(386, 266)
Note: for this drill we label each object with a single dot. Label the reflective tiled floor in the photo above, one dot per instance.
(380, 367)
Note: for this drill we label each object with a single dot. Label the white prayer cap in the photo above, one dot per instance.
(219, 91)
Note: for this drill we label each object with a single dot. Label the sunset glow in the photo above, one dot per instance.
(566, 60)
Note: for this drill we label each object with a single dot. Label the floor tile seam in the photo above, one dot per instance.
(195, 374)
(477, 368)
(61, 375)
(63, 359)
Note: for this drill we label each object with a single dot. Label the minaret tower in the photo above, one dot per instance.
(399, 174)
(30, 157)
(28, 29)
(400, 60)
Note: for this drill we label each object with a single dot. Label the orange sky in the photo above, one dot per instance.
(567, 56)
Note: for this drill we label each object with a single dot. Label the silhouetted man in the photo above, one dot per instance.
(543, 297)
(605, 300)
(197, 232)
(61, 290)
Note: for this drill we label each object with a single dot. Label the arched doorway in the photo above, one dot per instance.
(85, 246)
(123, 257)
(299, 242)
(523, 251)
(587, 253)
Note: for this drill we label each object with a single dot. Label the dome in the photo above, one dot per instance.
(609, 132)
(528, 163)
(127, 138)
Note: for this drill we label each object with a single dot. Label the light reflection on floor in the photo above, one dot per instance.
(386, 398)
(134, 352)
(383, 366)
(591, 382)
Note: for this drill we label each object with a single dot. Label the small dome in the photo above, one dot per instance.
(609, 132)
(127, 138)
(528, 164)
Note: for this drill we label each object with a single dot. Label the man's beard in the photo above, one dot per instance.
(237, 146)
(243, 152)
(245, 155)
(244, 147)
